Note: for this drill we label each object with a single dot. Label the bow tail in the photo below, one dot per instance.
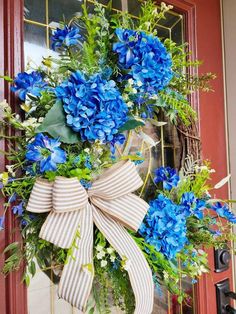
(139, 272)
(77, 276)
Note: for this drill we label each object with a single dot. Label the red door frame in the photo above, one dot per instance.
(12, 291)
(203, 31)
(203, 26)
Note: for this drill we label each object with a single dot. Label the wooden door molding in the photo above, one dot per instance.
(13, 292)
(203, 32)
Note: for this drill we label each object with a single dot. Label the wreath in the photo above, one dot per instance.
(74, 186)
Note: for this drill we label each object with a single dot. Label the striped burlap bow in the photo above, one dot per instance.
(110, 204)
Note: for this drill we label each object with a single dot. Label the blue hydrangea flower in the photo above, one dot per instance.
(146, 58)
(168, 176)
(46, 152)
(66, 37)
(2, 220)
(94, 107)
(164, 227)
(28, 83)
(192, 205)
(224, 212)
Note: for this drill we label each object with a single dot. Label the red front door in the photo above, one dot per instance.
(203, 32)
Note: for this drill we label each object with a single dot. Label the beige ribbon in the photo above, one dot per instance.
(110, 204)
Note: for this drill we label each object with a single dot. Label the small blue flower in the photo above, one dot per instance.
(66, 37)
(28, 83)
(86, 184)
(2, 220)
(88, 162)
(192, 205)
(18, 209)
(76, 160)
(12, 198)
(224, 212)
(46, 152)
(216, 233)
(94, 107)
(116, 264)
(164, 227)
(25, 221)
(168, 176)
(138, 162)
(118, 139)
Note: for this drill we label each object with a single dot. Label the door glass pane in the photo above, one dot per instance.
(40, 17)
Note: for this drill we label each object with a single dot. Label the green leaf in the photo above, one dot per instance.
(132, 157)
(55, 125)
(131, 124)
(157, 123)
(7, 78)
(12, 246)
(32, 268)
(26, 279)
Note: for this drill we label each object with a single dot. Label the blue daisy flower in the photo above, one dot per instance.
(66, 37)
(168, 176)
(46, 152)
(28, 83)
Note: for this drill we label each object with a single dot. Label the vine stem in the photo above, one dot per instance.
(148, 172)
(127, 144)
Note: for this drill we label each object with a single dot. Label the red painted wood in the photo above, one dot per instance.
(13, 292)
(203, 26)
(212, 124)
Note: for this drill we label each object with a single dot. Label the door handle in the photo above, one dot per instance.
(230, 294)
(230, 309)
(223, 296)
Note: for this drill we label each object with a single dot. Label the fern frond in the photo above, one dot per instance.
(189, 167)
(176, 106)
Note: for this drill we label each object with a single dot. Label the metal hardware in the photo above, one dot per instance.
(231, 295)
(223, 296)
(230, 310)
(222, 259)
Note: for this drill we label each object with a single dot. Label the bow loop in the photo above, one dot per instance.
(40, 200)
(129, 209)
(68, 195)
(121, 179)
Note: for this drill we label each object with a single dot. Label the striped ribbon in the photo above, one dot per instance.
(110, 204)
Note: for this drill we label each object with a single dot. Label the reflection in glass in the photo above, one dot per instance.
(35, 10)
(35, 43)
(116, 4)
(163, 32)
(177, 33)
(134, 7)
(61, 10)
